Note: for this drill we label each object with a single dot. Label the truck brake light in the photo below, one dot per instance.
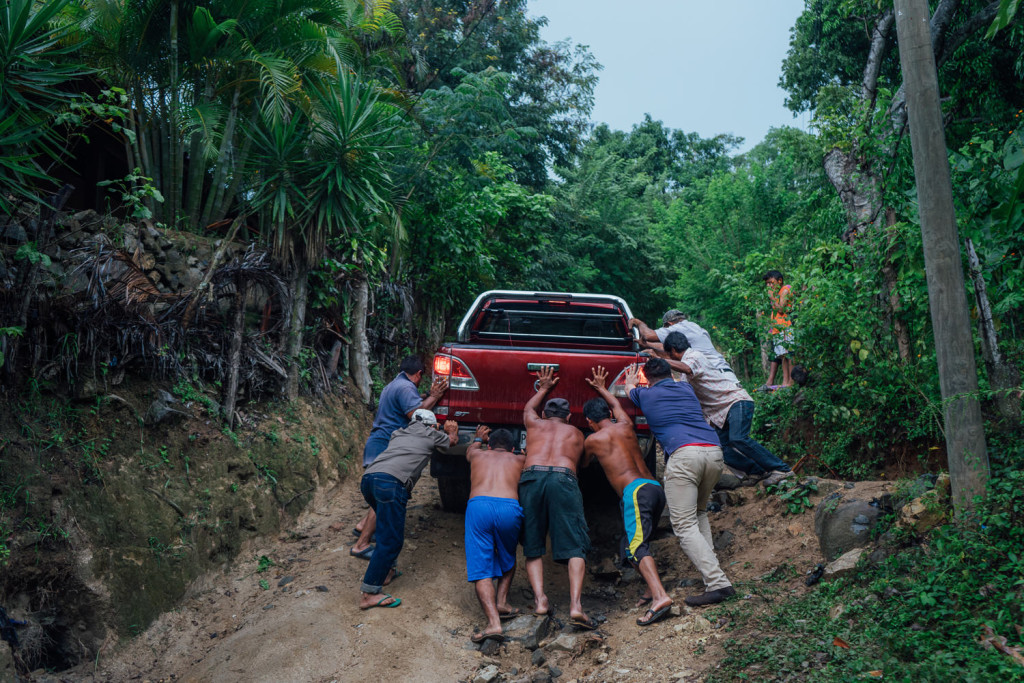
(618, 387)
(459, 376)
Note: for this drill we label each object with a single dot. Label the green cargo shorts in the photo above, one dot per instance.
(552, 503)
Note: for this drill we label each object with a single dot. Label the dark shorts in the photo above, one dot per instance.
(552, 503)
(643, 501)
(492, 534)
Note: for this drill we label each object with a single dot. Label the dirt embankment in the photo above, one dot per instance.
(298, 621)
(109, 520)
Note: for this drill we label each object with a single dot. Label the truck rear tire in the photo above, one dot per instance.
(454, 493)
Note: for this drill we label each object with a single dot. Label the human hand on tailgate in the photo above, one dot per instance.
(438, 387)
(546, 378)
(599, 378)
(482, 432)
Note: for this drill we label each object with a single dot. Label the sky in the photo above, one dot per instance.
(704, 67)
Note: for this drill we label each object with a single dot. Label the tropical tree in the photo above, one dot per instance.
(37, 57)
(320, 173)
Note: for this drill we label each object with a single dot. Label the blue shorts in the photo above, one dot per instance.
(492, 533)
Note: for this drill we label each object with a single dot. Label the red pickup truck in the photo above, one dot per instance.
(504, 339)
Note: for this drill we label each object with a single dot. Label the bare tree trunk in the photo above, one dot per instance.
(966, 449)
(359, 352)
(226, 194)
(300, 283)
(235, 352)
(1003, 377)
(891, 294)
(223, 160)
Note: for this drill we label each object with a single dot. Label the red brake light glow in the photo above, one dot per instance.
(455, 370)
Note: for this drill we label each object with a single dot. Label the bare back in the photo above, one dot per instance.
(495, 473)
(615, 446)
(553, 443)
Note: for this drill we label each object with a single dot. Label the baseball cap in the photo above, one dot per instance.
(557, 407)
(425, 416)
(671, 316)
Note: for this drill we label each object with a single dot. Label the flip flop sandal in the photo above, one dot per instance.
(364, 554)
(587, 624)
(481, 637)
(515, 612)
(398, 572)
(653, 616)
(641, 601)
(379, 603)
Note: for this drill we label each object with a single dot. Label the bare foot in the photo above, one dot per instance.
(489, 632)
(540, 605)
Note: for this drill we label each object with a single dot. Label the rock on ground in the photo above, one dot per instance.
(843, 526)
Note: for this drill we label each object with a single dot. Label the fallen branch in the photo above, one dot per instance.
(990, 640)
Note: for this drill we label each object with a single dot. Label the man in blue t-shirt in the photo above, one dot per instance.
(398, 401)
(693, 464)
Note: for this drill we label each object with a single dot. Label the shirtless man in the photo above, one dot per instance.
(493, 521)
(642, 499)
(551, 498)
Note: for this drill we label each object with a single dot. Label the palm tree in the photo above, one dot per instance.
(320, 173)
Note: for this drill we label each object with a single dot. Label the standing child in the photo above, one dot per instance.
(781, 296)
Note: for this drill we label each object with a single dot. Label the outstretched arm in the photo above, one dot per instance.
(545, 381)
(437, 389)
(598, 381)
(482, 432)
(646, 333)
(679, 366)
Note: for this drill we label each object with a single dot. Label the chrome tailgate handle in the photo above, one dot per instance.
(535, 367)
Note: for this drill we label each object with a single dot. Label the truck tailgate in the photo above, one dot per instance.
(506, 378)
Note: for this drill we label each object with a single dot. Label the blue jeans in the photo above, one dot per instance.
(740, 450)
(388, 498)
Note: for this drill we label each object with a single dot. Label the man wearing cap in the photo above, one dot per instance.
(551, 499)
(675, 321)
(386, 486)
(693, 464)
(397, 402)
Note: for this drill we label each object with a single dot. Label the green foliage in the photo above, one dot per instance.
(921, 615)
(192, 393)
(795, 493)
(263, 563)
(135, 189)
(37, 48)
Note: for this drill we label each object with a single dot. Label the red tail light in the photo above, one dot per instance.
(618, 387)
(459, 376)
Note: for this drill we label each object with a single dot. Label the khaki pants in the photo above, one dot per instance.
(690, 476)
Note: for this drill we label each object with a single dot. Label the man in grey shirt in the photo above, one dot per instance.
(675, 321)
(386, 486)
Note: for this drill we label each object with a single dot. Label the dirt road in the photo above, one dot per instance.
(302, 623)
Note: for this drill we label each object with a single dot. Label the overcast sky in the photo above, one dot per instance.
(704, 67)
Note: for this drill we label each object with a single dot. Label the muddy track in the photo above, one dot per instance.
(302, 623)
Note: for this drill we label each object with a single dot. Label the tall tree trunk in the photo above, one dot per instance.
(235, 352)
(947, 300)
(226, 194)
(175, 147)
(224, 162)
(359, 351)
(891, 292)
(1003, 377)
(300, 284)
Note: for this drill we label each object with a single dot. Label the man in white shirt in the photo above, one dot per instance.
(699, 339)
(728, 408)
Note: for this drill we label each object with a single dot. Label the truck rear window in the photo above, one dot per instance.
(552, 320)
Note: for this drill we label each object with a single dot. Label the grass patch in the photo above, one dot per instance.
(918, 616)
